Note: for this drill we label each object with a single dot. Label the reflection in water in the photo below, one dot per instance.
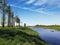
(49, 35)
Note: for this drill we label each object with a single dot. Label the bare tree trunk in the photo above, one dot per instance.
(9, 20)
(9, 16)
(12, 15)
(3, 23)
(3, 10)
(19, 24)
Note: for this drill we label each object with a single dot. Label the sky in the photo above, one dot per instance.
(33, 12)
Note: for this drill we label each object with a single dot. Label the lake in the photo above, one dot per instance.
(51, 36)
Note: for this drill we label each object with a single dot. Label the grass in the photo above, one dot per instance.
(19, 36)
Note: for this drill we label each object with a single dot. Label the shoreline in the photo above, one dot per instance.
(50, 27)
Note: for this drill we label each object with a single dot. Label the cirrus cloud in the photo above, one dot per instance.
(30, 1)
(48, 5)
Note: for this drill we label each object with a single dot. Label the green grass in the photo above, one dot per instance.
(19, 36)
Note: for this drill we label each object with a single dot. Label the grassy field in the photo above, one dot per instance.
(19, 36)
(56, 27)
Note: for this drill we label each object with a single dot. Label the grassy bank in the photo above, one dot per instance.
(50, 27)
(19, 36)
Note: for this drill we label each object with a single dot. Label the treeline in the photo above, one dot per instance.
(46, 25)
(5, 9)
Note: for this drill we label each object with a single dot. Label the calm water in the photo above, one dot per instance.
(49, 35)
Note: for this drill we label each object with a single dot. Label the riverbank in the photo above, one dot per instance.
(49, 27)
(19, 36)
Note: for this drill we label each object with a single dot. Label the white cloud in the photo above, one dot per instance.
(18, 6)
(54, 3)
(30, 1)
(38, 10)
(40, 2)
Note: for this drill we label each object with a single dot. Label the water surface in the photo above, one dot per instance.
(49, 35)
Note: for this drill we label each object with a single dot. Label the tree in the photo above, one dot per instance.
(0, 6)
(3, 11)
(6, 9)
(9, 15)
(25, 25)
(12, 19)
(18, 20)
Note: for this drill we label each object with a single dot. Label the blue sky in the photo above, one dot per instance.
(32, 12)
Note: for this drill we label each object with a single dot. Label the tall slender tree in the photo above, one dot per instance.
(3, 11)
(12, 19)
(9, 15)
(25, 25)
(18, 20)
